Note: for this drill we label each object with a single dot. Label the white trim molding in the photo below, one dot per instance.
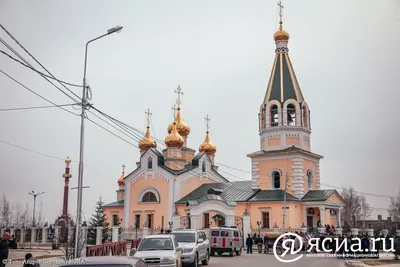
(151, 190)
(298, 177)
(268, 120)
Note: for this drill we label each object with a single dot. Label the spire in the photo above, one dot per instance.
(281, 37)
(283, 84)
(182, 128)
(120, 180)
(147, 142)
(208, 147)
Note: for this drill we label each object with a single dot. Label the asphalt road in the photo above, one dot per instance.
(256, 260)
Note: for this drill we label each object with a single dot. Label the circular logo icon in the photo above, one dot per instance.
(284, 245)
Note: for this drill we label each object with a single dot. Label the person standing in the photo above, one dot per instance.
(249, 244)
(4, 244)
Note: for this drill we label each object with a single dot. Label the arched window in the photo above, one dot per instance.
(149, 197)
(150, 163)
(309, 177)
(276, 179)
(291, 115)
(274, 115)
(203, 167)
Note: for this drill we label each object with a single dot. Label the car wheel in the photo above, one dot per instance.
(205, 261)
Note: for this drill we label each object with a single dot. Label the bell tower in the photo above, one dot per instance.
(284, 117)
(285, 161)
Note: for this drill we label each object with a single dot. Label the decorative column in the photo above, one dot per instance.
(194, 221)
(246, 225)
(33, 235)
(322, 229)
(44, 234)
(230, 220)
(176, 220)
(115, 234)
(338, 217)
(99, 235)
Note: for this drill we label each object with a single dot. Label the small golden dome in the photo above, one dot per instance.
(182, 128)
(207, 146)
(174, 139)
(147, 142)
(281, 35)
(120, 180)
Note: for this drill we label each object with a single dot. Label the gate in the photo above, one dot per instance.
(185, 222)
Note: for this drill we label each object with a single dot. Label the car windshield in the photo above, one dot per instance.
(184, 237)
(156, 244)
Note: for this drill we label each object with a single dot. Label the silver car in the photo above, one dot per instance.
(158, 250)
(195, 246)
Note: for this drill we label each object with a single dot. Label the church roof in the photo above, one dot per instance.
(318, 195)
(115, 204)
(231, 192)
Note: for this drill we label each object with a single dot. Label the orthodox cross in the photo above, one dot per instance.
(179, 92)
(67, 161)
(280, 12)
(207, 122)
(174, 110)
(148, 114)
(123, 168)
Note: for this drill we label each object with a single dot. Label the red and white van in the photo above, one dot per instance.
(226, 240)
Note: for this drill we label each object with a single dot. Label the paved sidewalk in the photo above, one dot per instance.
(377, 262)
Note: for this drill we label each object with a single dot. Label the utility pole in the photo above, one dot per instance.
(84, 105)
(34, 204)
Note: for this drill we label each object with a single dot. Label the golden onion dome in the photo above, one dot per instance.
(207, 146)
(147, 142)
(121, 179)
(182, 128)
(281, 35)
(174, 139)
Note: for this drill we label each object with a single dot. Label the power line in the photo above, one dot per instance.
(36, 107)
(35, 70)
(33, 92)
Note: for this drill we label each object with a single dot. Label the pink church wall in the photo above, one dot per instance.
(110, 211)
(159, 210)
(191, 185)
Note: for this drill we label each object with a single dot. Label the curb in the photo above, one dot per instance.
(41, 257)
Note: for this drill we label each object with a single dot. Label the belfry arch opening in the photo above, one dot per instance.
(291, 115)
(274, 115)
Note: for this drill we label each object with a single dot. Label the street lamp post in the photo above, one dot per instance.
(83, 107)
(34, 204)
(170, 225)
(285, 192)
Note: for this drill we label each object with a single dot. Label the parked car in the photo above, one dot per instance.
(226, 240)
(159, 250)
(105, 261)
(195, 246)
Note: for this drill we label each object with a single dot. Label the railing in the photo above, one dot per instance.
(115, 248)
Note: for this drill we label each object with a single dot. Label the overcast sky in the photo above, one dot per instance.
(345, 54)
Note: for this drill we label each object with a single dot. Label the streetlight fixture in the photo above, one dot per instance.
(84, 104)
(32, 193)
(170, 225)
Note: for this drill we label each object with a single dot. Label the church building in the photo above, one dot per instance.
(179, 188)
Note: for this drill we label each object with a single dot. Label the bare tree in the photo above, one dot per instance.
(17, 214)
(66, 241)
(394, 209)
(365, 210)
(40, 216)
(352, 208)
(5, 212)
